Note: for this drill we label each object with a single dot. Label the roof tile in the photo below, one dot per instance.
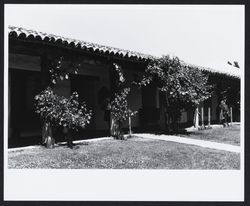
(24, 33)
(27, 33)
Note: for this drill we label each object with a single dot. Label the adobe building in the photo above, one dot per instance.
(30, 57)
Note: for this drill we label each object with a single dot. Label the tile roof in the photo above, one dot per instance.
(19, 32)
(23, 33)
(231, 73)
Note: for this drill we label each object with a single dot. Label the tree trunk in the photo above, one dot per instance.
(164, 119)
(166, 113)
(129, 124)
(47, 137)
(115, 129)
(68, 136)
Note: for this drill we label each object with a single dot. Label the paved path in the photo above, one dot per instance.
(171, 138)
(200, 143)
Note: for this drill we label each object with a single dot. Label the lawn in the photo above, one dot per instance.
(227, 135)
(135, 153)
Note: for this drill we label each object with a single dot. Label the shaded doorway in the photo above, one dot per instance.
(149, 114)
(85, 86)
(24, 123)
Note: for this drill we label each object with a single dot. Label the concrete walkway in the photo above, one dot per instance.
(200, 143)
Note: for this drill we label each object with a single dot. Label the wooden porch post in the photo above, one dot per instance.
(202, 118)
(196, 118)
(231, 115)
(129, 123)
(209, 117)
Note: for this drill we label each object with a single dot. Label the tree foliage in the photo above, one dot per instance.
(119, 106)
(181, 83)
(61, 111)
(58, 71)
(183, 86)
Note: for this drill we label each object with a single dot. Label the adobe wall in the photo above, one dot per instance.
(88, 67)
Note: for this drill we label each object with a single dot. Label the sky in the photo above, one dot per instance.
(205, 35)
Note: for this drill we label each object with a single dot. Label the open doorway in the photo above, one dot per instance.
(85, 86)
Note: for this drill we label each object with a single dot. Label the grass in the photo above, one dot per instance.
(135, 153)
(227, 135)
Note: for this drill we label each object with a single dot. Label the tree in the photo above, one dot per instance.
(119, 108)
(56, 111)
(119, 104)
(183, 86)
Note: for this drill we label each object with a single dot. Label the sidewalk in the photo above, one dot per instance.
(200, 143)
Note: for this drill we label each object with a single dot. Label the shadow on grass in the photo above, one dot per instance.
(73, 146)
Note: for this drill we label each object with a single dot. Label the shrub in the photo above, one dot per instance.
(61, 111)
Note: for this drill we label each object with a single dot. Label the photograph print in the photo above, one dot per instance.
(133, 88)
